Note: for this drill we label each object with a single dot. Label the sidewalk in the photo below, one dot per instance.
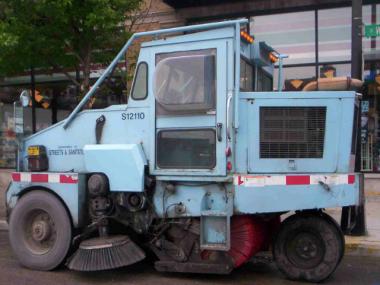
(368, 245)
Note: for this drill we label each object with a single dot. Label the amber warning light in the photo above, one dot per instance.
(272, 57)
(246, 37)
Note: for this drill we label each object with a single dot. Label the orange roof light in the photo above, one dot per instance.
(246, 37)
(272, 57)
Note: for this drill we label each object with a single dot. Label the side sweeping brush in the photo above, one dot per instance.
(102, 253)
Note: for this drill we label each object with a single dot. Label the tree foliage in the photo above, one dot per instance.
(63, 34)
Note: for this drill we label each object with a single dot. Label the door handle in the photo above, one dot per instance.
(229, 123)
(219, 127)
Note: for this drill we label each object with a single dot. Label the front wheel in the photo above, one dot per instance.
(308, 247)
(40, 231)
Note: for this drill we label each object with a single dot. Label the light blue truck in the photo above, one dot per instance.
(197, 168)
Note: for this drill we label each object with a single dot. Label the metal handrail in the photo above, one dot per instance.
(229, 119)
(121, 53)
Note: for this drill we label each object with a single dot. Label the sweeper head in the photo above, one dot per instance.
(102, 253)
(105, 251)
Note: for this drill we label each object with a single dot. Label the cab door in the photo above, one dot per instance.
(190, 83)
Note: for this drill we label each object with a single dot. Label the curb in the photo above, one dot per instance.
(363, 249)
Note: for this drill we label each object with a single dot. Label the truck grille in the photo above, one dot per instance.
(292, 132)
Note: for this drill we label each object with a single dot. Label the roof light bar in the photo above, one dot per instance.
(246, 37)
(273, 57)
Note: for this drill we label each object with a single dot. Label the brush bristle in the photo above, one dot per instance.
(105, 257)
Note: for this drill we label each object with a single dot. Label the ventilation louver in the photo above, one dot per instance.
(292, 132)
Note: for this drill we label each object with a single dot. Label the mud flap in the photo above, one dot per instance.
(353, 221)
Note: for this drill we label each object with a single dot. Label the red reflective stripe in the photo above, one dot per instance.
(67, 179)
(297, 180)
(240, 180)
(351, 179)
(40, 177)
(44, 177)
(16, 176)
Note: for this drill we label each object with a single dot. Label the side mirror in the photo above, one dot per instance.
(25, 98)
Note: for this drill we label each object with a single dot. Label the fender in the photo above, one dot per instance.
(123, 164)
(69, 187)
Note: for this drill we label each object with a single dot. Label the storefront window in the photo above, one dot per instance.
(7, 135)
(53, 103)
(335, 70)
(371, 44)
(292, 34)
(295, 78)
(44, 105)
(334, 35)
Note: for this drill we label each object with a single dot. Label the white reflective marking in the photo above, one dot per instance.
(275, 180)
(261, 181)
(25, 177)
(54, 178)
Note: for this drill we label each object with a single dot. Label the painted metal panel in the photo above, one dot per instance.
(346, 160)
(124, 165)
(215, 232)
(196, 197)
(70, 188)
(255, 194)
(196, 121)
(186, 121)
(124, 124)
(260, 197)
(337, 141)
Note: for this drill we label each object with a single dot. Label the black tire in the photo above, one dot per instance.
(339, 233)
(40, 231)
(308, 247)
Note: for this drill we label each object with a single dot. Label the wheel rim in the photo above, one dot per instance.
(305, 250)
(39, 232)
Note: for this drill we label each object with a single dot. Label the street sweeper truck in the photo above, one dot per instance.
(198, 169)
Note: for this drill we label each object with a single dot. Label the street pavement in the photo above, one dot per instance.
(353, 270)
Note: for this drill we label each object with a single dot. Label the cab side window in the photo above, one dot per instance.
(186, 149)
(264, 80)
(246, 76)
(184, 82)
(140, 84)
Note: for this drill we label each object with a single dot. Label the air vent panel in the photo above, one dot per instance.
(292, 132)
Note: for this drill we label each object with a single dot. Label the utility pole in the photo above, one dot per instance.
(33, 89)
(356, 40)
(353, 220)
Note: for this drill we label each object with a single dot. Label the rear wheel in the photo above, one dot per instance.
(339, 233)
(40, 231)
(308, 247)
